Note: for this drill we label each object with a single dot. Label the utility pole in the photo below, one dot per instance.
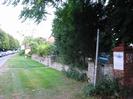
(96, 57)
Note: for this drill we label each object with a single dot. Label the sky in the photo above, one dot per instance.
(11, 24)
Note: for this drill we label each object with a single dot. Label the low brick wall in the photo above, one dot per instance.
(107, 69)
(103, 70)
(48, 62)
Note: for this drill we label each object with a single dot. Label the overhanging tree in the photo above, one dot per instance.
(120, 20)
(75, 28)
(78, 22)
(115, 23)
(33, 9)
(119, 15)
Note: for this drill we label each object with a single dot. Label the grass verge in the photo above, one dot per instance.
(28, 79)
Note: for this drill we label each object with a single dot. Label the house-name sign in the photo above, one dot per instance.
(118, 60)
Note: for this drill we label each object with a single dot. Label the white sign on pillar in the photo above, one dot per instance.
(118, 60)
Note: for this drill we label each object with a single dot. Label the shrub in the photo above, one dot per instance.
(88, 90)
(44, 49)
(74, 74)
(21, 52)
(107, 89)
(28, 55)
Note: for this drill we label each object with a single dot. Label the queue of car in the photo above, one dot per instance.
(5, 53)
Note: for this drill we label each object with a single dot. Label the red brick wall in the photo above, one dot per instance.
(128, 75)
(128, 68)
(120, 75)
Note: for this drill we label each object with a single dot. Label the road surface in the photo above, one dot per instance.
(3, 60)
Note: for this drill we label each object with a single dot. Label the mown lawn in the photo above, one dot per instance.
(28, 79)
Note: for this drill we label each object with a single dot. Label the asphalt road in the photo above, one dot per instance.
(4, 59)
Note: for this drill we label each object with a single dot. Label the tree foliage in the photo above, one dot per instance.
(118, 14)
(33, 9)
(44, 49)
(75, 28)
(13, 43)
(77, 21)
(120, 20)
(38, 46)
(7, 42)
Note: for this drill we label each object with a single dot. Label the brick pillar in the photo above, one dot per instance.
(118, 62)
(123, 66)
(128, 68)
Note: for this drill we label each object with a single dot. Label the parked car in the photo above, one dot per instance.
(4, 53)
(1, 54)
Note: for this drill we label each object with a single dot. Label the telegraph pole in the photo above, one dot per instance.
(96, 57)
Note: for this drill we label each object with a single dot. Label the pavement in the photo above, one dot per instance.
(3, 60)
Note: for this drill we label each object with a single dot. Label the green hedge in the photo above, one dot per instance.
(108, 89)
